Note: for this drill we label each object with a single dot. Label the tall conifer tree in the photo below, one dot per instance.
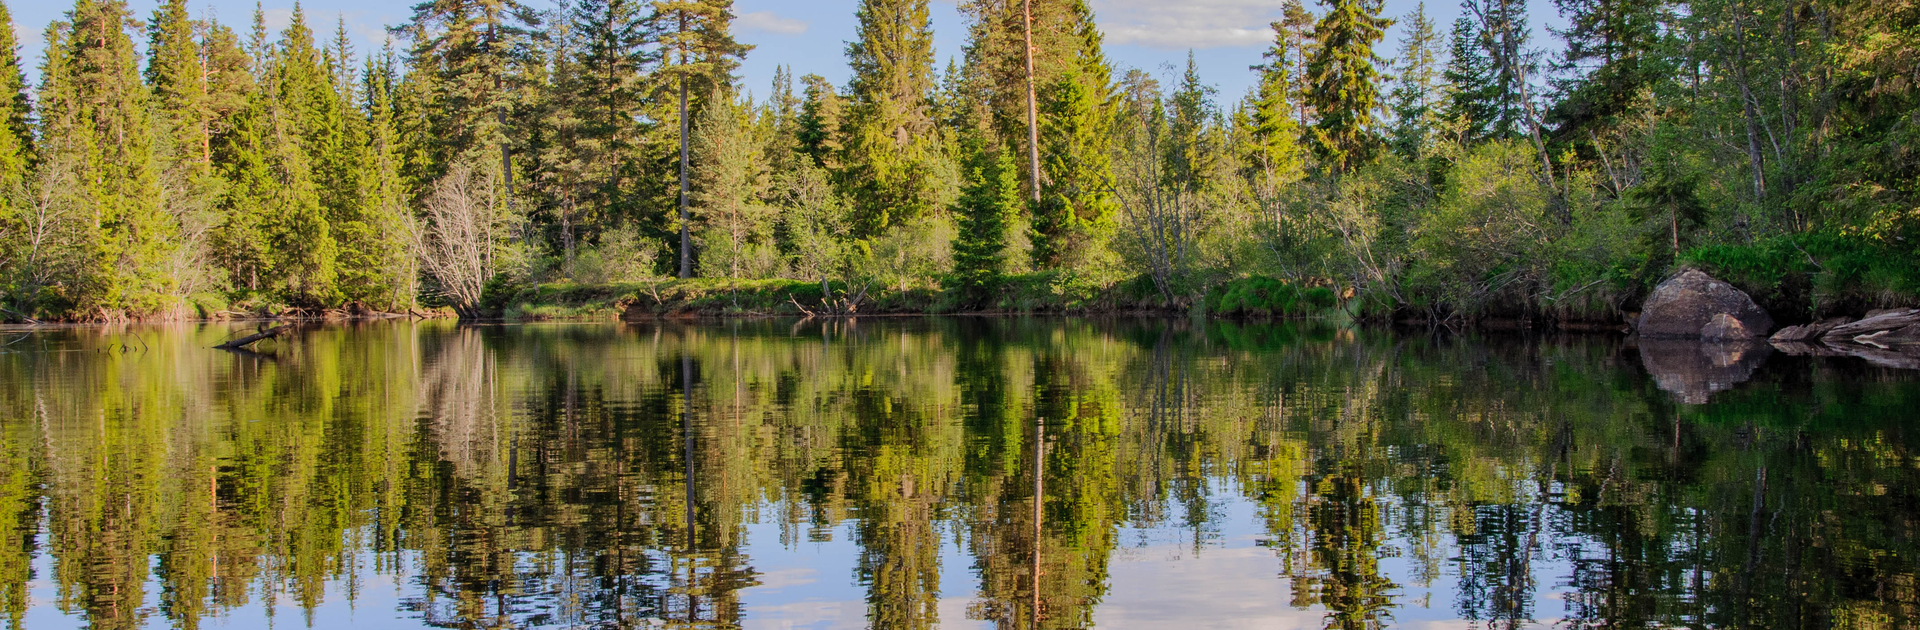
(1343, 78)
(99, 131)
(607, 96)
(1076, 206)
(988, 201)
(889, 152)
(1413, 100)
(1275, 111)
(699, 55)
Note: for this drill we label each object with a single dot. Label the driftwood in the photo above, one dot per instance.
(256, 337)
(1884, 322)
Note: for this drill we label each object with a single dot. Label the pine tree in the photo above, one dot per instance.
(987, 203)
(888, 153)
(1293, 46)
(1343, 77)
(699, 56)
(1415, 88)
(1075, 213)
(735, 229)
(96, 127)
(1066, 42)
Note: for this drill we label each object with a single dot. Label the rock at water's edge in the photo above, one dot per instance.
(1685, 304)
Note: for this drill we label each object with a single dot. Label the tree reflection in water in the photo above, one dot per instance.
(607, 476)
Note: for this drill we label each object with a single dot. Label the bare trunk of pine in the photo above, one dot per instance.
(1033, 109)
(686, 234)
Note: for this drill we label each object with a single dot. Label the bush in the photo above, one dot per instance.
(1262, 296)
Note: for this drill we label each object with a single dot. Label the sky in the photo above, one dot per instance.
(1226, 37)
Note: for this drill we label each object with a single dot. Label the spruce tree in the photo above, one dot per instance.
(1471, 103)
(889, 149)
(1277, 156)
(1343, 79)
(1188, 154)
(386, 190)
(183, 118)
(988, 201)
(16, 159)
(178, 80)
(276, 241)
(96, 128)
(1502, 35)
(1075, 213)
(607, 95)
(465, 52)
(16, 109)
(1609, 63)
(1412, 102)
(819, 135)
(735, 229)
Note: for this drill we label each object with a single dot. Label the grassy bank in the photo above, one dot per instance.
(1255, 297)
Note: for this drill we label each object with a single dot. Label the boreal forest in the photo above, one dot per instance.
(167, 166)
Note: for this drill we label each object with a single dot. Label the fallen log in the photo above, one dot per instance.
(253, 338)
(1884, 322)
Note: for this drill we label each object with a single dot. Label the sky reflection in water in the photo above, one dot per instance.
(881, 473)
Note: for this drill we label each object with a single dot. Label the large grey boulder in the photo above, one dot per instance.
(1685, 304)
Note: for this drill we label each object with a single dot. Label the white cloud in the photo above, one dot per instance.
(1186, 24)
(278, 19)
(770, 22)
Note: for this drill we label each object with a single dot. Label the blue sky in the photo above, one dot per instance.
(1226, 36)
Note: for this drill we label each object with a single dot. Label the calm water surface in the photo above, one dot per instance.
(884, 473)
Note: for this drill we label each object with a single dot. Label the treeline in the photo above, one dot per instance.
(491, 146)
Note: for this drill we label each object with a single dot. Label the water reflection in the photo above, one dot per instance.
(951, 473)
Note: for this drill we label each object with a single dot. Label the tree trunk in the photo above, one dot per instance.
(686, 234)
(1747, 103)
(1033, 109)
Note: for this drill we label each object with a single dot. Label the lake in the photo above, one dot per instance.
(884, 473)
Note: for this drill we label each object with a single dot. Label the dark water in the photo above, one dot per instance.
(883, 473)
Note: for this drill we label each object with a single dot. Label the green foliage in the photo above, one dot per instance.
(987, 203)
(1074, 217)
(1262, 296)
(1343, 79)
(1765, 140)
(889, 157)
